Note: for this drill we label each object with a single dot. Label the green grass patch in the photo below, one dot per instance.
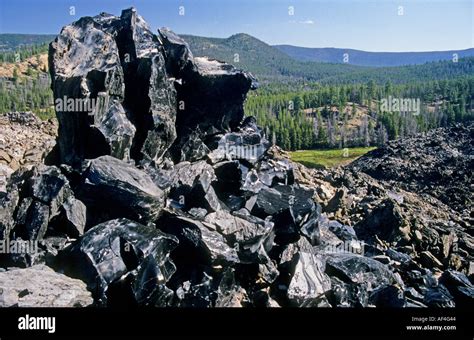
(328, 158)
(46, 114)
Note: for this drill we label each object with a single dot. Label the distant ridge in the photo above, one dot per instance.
(271, 63)
(223, 46)
(12, 41)
(363, 58)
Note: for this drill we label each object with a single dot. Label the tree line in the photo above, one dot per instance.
(319, 116)
(27, 94)
(23, 53)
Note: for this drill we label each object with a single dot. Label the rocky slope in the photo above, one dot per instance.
(163, 194)
(410, 202)
(436, 164)
(25, 140)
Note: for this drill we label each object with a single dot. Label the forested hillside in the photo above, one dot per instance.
(263, 60)
(24, 80)
(270, 64)
(352, 115)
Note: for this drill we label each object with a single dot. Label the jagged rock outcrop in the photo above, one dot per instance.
(210, 96)
(117, 64)
(88, 88)
(163, 194)
(139, 91)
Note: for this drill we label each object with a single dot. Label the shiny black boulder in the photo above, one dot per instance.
(124, 255)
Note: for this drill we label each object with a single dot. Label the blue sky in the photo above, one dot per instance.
(359, 24)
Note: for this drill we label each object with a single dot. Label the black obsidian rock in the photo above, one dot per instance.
(459, 286)
(132, 257)
(133, 100)
(199, 244)
(114, 188)
(358, 269)
(388, 296)
(288, 206)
